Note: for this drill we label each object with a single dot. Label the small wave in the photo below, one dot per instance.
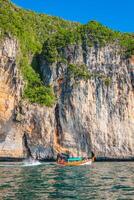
(87, 163)
(31, 162)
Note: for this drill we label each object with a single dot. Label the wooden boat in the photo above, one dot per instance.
(66, 160)
(76, 163)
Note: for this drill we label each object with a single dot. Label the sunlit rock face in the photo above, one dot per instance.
(10, 137)
(95, 114)
(25, 130)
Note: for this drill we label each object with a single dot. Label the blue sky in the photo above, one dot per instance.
(117, 14)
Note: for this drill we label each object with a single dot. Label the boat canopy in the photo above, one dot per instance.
(74, 159)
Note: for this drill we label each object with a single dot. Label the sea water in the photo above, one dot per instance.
(49, 181)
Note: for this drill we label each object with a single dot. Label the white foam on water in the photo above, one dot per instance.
(31, 162)
(87, 163)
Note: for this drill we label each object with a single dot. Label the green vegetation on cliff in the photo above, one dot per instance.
(31, 30)
(91, 34)
(99, 35)
(52, 47)
(35, 90)
(47, 35)
(79, 71)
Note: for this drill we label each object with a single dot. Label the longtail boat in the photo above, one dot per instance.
(74, 161)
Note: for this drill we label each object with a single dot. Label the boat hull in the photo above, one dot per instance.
(76, 163)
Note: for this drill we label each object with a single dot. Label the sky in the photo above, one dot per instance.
(116, 14)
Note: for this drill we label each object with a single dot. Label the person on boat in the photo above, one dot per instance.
(62, 157)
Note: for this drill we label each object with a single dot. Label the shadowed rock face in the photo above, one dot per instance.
(95, 114)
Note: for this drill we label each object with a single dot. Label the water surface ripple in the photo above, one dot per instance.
(49, 181)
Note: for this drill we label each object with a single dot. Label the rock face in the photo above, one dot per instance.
(25, 130)
(97, 114)
(90, 115)
(10, 137)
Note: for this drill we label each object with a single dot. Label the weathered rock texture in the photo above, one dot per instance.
(95, 114)
(10, 137)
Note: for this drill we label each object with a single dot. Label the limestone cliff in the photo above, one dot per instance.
(22, 128)
(95, 114)
(93, 110)
(98, 113)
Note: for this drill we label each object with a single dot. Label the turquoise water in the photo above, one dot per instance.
(49, 181)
